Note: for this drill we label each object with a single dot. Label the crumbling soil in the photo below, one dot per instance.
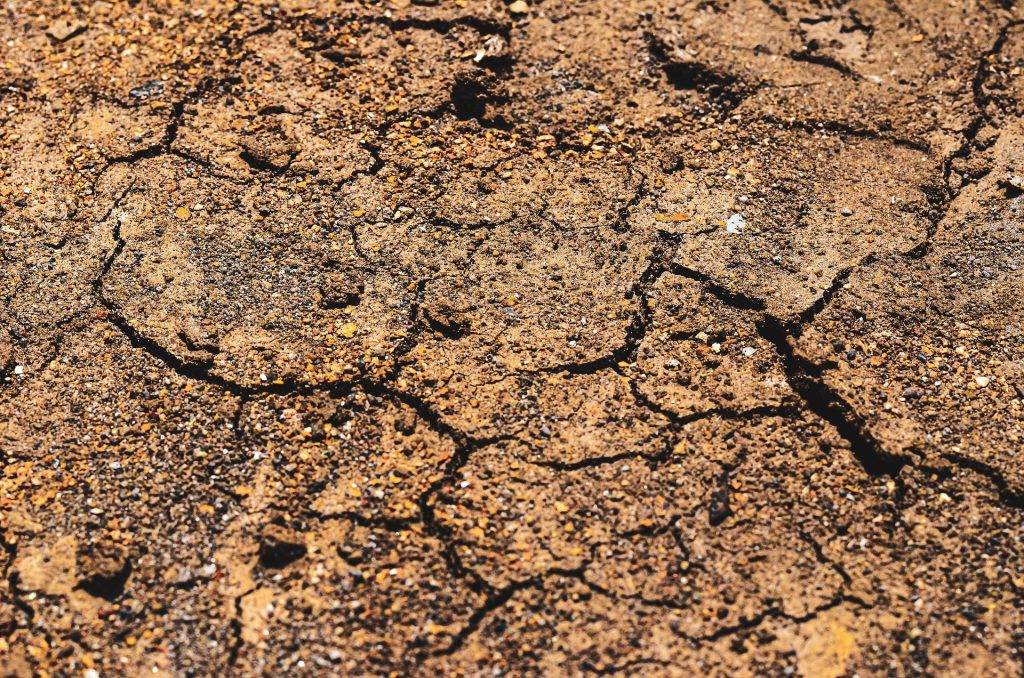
(456, 337)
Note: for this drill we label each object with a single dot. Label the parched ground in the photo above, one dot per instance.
(623, 337)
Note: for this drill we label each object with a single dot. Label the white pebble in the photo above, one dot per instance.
(735, 224)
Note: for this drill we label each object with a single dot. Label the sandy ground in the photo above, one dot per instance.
(543, 338)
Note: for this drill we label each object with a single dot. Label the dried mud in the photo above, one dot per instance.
(471, 338)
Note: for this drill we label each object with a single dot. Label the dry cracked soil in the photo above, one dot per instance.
(461, 337)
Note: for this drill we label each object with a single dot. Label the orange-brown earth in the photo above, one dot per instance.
(544, 338)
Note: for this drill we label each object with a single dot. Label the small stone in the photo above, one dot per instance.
(62, 29)
(183, 213)
(673, 217)
(981, 381)
(846, 212)
(735, 224)
(519, 7)
(715, 146)
(912, 393)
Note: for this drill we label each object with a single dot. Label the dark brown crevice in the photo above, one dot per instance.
(235, 626)
(724, 90)
(188, 370)
(752, 623)
(844, 129)
(444, 26)
(825, 61)
(151, 151)
(806, 379)
(819, 305)
(375, 154)
(10, 578)
(820, 556)
(1008, 495)
(941, 204)
(737, 300)
(193, 371)
(388, 523)
(263, 165)
(771, 611)
(981, 99)
(499, 598)
(625, 667)
(637, 329)
(677, 421)
(163, 147)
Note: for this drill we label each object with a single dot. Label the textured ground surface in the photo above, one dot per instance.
(629, 337)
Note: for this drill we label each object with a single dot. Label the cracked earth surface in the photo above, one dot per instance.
(549, 338)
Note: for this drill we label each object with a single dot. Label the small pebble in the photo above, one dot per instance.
(735, 224)
(912, 393)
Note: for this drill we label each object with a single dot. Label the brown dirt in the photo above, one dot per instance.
(544, 338)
